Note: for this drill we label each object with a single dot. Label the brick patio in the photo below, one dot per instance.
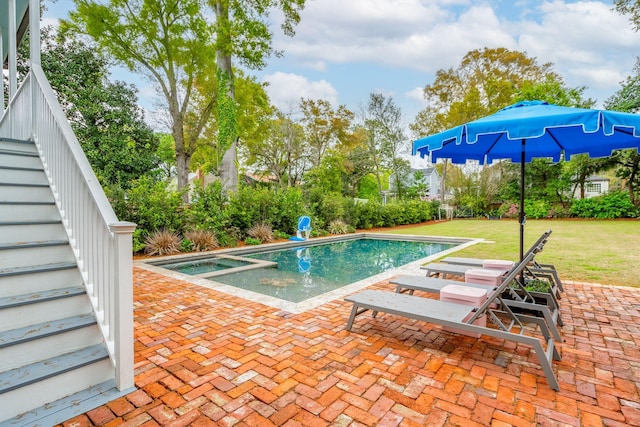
(204, 358)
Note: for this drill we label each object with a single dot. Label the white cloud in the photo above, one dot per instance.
(285, 90)
(589, 44)
(417, 94)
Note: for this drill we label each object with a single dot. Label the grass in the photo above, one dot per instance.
(606, 252)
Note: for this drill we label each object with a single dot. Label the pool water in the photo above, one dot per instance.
(306, 272)
(194, 267)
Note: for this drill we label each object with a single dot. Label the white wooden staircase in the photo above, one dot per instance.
(52, 354)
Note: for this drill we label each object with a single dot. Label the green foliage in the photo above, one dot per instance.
(537, 285)
(252, 241)
(138, 238)
(105, 116)
(208, 208)
(536, 209)
(186, 245)
(373, 214)
(227, 116)
(615, 204)
(337, 226)
(149, 204)
(368, 188)
(325, 207)
(327, 176)
(631, 8)
(280, 208)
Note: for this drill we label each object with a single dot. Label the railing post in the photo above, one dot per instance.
(123, 327)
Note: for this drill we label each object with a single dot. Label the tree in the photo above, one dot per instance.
(385, 138)
(485, 81)
(581, 167)
(282, 152)
(627, 99)
(629, 7)
(167, 41)
(243, 33)
(253, 115)
(104, 115)
(554, 91)
(325, 128)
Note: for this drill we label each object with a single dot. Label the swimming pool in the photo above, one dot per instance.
(289, 274)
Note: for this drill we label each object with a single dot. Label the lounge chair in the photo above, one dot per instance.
(304, 229)
(462, 317)
(535, 270)
(517, 299)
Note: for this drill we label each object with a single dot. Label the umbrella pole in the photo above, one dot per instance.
(522, 212)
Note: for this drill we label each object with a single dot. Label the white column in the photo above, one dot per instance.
(13, 54)
(34, 56)
(1, 71)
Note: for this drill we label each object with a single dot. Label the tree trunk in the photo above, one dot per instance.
(229, 169)
(227, 133)
(183, 157)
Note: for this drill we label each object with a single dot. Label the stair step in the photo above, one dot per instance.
(39, 371)
(44, 340)
(27, 245)
(22, 184)
(23, 176)
(45, 310)
(17, 145)
(21, 168)
(57, 412)
(19, 159)
(18, 193)
(29, 333)
(11, 286)
(29, 152)
(26, 212)
(16, 256)
(37, 268)
(36, 297)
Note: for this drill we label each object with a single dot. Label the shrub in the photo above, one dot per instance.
(280, 208)
(262, 232)
(162, 242)
(338, 226)
(202, 240)
(208, 210)
(615, 204)
(151, 205)
(536, 209)
(252, 241)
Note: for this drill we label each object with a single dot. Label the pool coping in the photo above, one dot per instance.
(155, 265)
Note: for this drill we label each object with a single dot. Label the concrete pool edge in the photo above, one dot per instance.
(155, 265)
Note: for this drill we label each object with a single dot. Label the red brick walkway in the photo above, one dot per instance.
(204, 358)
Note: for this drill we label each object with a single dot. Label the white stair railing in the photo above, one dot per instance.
(102, 244)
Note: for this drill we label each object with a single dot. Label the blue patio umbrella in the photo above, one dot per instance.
(533, 129)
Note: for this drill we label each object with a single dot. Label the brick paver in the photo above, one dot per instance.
(205, 358)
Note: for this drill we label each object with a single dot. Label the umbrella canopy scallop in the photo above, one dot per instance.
(550, 131)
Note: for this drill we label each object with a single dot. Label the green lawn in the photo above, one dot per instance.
(606, 252)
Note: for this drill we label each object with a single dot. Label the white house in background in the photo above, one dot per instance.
(593, 186)
(431, 179)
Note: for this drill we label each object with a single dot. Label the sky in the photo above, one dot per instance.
(344, 50)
